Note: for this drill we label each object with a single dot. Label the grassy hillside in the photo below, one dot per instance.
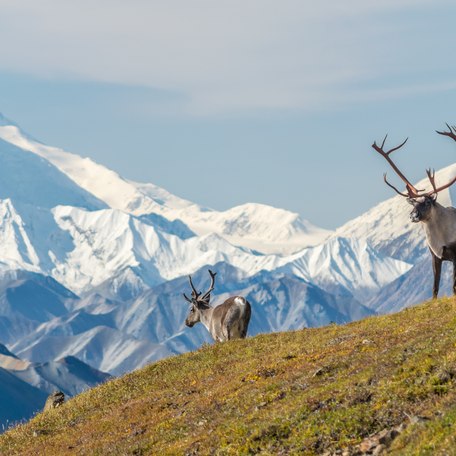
(303, 392)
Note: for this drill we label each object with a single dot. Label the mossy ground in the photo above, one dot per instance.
(301, 392)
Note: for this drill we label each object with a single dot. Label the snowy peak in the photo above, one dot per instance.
(258, 227)
(16, 250)
(162, 196)
(255, 226)
(347, 262)
(104, 184)
(28, 179)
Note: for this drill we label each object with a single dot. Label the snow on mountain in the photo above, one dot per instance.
(108, 242)
(101, 182)
(349, 263)
(163, 197)
(111, 250)
(32, 180)
(16, 250)
(254, 226)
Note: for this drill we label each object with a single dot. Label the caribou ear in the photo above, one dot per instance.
(207, 299)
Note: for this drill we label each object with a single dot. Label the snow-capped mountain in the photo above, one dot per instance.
(248, 225)
(93, 266)
(347, 263)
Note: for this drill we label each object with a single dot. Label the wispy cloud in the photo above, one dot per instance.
(233, 55)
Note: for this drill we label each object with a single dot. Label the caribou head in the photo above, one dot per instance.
(199, 301)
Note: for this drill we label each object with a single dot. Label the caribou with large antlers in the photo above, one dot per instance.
(227, 321)
(439, 222)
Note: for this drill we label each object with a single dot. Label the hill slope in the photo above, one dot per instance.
(302, 392)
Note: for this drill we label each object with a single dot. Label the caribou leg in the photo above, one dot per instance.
(454, 277)
(437, 268)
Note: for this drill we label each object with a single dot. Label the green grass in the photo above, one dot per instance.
(301, 392)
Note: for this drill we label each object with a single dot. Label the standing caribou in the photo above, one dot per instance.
(439, 222)
(227, 321)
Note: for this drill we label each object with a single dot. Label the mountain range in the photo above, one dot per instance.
(93, 266)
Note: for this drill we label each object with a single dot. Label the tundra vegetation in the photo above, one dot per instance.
(304, 392)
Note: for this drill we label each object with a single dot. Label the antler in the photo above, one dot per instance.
(431, 175)
(412, 192)
(451, 133)
(211, 287)
(195, 294)
(435, 190)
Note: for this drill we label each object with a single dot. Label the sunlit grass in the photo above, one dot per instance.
(302, 392)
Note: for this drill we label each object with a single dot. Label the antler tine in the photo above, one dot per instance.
(431, 176)
(439, 189)
(397, 147)
(187, 298)
(195, 294)
(412, 192)
(450, 133)
(380, 150)
(211, 287)
(393, 187)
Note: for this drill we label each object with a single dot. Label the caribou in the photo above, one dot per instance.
(226, 321)
(439, 222)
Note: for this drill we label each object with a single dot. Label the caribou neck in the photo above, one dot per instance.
(206, 317)
(439, 228)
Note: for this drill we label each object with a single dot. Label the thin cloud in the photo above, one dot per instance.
(229, 55)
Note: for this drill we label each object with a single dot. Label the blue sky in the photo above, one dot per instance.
(235, 101)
